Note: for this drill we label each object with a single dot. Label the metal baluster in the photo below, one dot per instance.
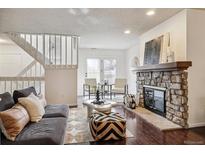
(40, 71)
(60, 50)
(17, 84)
(23, 84)
(36, 45)
(44, 49)
(31, 39)
(28, 83)
(25, 38)
(31, 72)
(66, 48)
(55, 50)
(49, 49)
(35, 75)
(11, 86)
(35, 67)
(77, 50)
(35, 83)
(71, 51)
(4, 86)
(40, 85)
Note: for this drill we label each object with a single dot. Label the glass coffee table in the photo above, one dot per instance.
(105, 107)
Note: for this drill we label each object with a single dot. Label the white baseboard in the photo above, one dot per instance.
(201, 124)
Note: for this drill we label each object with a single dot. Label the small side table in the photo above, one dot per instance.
(105, 89)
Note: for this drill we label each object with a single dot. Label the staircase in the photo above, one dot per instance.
(49, 51)
(33, 69)
(52, 51)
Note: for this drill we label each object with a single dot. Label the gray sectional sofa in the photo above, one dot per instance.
(50, 130)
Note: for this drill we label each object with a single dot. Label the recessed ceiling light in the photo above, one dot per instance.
(127, 31)
(150, 13)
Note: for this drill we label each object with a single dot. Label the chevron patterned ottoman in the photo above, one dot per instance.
(107, 126)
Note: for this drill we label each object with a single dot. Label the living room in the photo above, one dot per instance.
(102, 76)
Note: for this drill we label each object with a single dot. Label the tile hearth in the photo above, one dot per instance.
(156, 120)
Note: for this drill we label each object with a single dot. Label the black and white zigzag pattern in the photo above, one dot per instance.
(107, 126)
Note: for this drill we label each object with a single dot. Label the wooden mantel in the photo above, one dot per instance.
(178, 65)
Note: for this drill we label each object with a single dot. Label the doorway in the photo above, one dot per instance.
(103, 70)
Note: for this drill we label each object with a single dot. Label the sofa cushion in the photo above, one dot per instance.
(6, 101)
(13, 120)
(58, 110)
(47, 131)
(42, 99)
(23, 93)
(34, 107)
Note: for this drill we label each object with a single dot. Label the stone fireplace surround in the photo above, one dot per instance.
(172, 76)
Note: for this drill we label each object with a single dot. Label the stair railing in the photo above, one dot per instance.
(9, 84)
(57, 49)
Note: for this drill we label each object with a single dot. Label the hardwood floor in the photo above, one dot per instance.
(145, 133)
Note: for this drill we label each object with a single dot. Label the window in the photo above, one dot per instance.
(101, 69)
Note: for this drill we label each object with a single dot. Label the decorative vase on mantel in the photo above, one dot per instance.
(135, 62)
(170, 55)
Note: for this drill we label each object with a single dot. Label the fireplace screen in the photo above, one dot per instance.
(154, 100)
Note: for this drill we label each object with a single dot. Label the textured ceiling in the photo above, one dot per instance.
(98, 28)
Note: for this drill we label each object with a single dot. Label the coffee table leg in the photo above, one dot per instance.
(90, 110)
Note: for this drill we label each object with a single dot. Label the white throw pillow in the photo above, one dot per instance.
(33, 106)
(42, 100)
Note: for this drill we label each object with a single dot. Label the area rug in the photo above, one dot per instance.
(154, 119)
(78, 130)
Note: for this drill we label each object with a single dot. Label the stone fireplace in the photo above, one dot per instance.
(172, 77)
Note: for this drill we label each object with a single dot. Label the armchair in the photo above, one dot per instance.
(120, 87)
(90, 86)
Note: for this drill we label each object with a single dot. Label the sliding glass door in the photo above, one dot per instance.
(93, 69)
(101, 69)
(109, 70)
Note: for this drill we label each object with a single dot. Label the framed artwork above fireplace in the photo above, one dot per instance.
(158, 50)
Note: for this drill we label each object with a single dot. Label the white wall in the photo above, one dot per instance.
(12, 59)
(131, 76)
(61, 86)
(187, 40)
(196, 79)
(119, 55)
(176, 25)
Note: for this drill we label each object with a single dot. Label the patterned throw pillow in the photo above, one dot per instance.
(34, 107)
(13, 120)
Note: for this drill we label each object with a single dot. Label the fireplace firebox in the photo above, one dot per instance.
(154, 99)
